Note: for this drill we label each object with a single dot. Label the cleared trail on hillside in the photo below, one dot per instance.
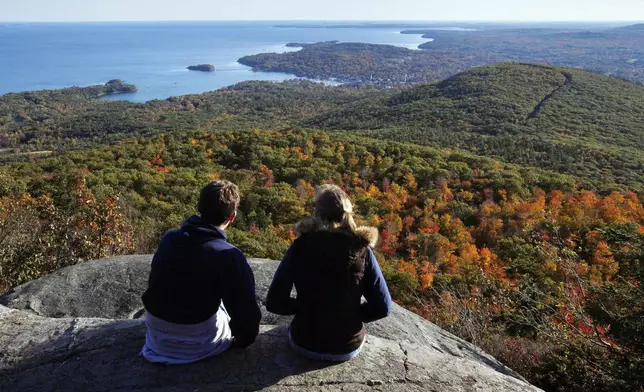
(537, 109)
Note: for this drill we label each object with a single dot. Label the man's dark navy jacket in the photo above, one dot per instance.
(193, 271)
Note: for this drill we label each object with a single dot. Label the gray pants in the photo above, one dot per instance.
(171, 343)
(323, 357)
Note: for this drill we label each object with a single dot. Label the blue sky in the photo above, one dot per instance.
(497, 10)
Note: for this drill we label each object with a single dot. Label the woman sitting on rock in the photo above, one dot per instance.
(332, 267)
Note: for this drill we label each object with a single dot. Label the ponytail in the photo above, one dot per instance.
(333, 209)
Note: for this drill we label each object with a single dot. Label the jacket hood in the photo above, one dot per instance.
(198, 230)
(310, 225)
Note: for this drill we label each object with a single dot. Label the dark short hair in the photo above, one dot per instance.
(218, 201)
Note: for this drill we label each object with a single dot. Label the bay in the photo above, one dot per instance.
(154, 55)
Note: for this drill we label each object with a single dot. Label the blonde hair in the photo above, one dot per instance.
(333, 209)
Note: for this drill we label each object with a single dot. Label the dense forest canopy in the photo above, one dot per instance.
(63, 119)
(513, 220)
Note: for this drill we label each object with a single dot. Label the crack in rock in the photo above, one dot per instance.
(406, 360)
(73, 331)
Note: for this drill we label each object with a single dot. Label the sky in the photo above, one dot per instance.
(426, 10)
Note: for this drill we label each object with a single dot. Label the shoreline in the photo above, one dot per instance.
(115, 93)
(281, 48)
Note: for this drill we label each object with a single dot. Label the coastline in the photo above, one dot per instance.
(116, 93)
(154, 69)
(156, 74)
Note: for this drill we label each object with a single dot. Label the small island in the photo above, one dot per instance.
(202, 68)
(117, 86)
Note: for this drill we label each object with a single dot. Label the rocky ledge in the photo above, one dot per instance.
(79, 329)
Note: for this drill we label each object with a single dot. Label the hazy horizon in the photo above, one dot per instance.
(417, 11)
(339, 21)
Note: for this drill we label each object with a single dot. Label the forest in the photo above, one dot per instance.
(540, 265)
(614, 52)
(520, 261)
(562, 119)
(60, 120)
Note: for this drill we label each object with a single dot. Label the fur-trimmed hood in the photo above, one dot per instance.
(310, 225)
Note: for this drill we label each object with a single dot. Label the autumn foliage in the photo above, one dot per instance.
(38, 237)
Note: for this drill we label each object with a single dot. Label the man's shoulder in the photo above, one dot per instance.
(215, 244)
(227, 253)
(220, 245)
(169, 238)
(172, 234)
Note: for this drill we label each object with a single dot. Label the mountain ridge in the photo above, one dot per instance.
(556, 110)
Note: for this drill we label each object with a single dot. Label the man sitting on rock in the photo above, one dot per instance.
(195, 272)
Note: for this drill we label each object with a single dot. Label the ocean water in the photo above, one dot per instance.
(154, 56)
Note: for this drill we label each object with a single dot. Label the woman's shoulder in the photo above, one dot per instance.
(368, 234)
(305, 226)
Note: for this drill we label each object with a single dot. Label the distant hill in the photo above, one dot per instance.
(612, 52)
(635, 28)
(558, 118)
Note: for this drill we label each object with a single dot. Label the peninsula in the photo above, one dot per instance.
(614, 52)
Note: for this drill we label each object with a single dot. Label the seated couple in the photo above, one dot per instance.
(201, 300)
